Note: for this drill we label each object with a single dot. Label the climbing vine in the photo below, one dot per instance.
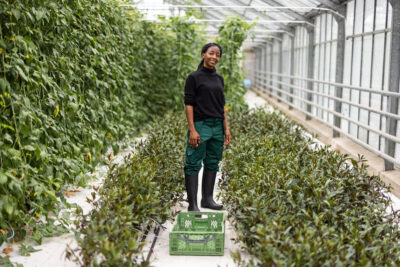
(231, 35)
(76, 77)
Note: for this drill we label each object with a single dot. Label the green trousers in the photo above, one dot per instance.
(209, 152)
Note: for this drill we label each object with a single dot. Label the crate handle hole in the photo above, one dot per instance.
(201, 216)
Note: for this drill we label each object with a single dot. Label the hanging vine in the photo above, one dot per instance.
(231, 35)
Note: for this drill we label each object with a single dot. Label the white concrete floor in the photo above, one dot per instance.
(161, 258)
(52, 250)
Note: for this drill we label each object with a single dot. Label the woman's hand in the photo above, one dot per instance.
(194, 139)
(227, 137)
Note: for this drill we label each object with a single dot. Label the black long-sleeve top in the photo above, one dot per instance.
(204, 90)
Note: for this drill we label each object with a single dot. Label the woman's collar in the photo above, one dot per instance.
(207, 70)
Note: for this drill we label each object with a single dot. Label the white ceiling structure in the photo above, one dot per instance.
(272, 17)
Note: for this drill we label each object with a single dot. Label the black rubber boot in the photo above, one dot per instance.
(207, 191)
(191, 182)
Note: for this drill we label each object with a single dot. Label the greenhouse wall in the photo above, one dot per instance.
(301, 69)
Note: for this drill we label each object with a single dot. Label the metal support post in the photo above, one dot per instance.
(341, 38)
(271, 64)
(280, 68)
(310, 69)
(291, 68)
(394, 77)
(264, 63)
(255, 67)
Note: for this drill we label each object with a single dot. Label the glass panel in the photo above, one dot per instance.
(373, 140)
(347, 61)
(346, 93)
(387, 61)
(317, 29)
(374, 120)
(353, 129)
(390, 13)
(378, 57)
(382, 145)
(334, 29)
(333, 61)
(364, 99)
(327, 62)
(344, 125)
(328, 27)
(369, 15)
(349, 18)
(376, 101)
(358, 27)
(362, 134)
(383, 127)
(366, 63)
(355, 79)
(323, 28)
(322, 65)
(326, 75)
(380, 20)
(363, 116)
(316, 67)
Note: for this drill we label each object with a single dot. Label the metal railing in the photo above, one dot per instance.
(263, 80)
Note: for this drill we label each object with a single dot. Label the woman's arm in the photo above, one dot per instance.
(194, 136)
(227, 132)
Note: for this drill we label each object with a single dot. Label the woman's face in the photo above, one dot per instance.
(211, 57)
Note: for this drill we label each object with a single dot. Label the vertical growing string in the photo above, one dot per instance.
(4, 77)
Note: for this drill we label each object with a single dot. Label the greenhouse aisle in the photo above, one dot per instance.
(52, 250)
(160, 255)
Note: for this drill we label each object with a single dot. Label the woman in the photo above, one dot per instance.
(208, 127)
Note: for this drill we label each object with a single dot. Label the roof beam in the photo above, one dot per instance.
(329, 4)
(290, 12)
(244, 12)
(246, 17)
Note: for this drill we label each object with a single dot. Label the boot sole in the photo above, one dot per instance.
(207, 207)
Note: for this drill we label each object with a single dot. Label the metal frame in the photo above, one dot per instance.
(377, 152)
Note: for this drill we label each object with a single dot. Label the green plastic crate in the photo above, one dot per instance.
(198, 233)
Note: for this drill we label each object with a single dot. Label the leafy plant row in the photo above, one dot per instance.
(296, 204)
(76, 77)
(138, 194)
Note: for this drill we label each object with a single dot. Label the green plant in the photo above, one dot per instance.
(295, 204)
(76, 77)
(136, 195)
(231, 35)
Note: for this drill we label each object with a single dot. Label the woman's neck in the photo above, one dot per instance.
(207, 67)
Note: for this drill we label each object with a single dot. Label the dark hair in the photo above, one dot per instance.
(205, 48)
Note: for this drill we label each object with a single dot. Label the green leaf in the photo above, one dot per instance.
(9, 208)
(21, 73)
(8, 138)
(29, 148)
(5, 126)
(3, 178)
(37, 236)
(4, 84)
(16, 13)
(2, 45)
(27, 250)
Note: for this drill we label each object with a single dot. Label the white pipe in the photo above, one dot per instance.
(251, 21)
(265, 8)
